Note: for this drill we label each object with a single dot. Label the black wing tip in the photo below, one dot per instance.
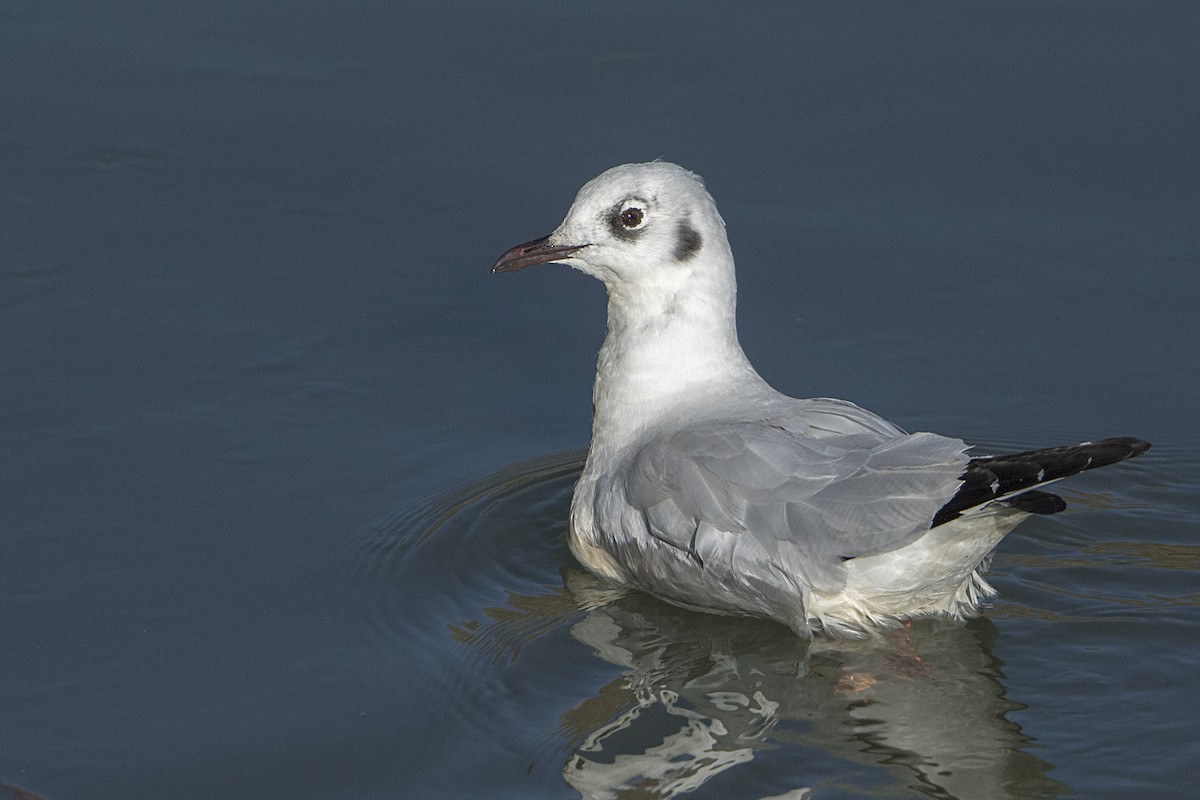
(1110, 451)
(1136, 446)
(1035, 502)
(1007, 478)
(1101, 452)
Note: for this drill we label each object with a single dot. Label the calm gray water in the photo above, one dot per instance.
(285, 470)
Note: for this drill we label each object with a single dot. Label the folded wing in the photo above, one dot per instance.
(806, 504)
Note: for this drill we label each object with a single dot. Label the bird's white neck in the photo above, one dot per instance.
(666, 349)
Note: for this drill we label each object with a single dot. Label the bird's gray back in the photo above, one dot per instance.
(772, 503)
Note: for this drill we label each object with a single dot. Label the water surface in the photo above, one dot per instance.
(285, 471)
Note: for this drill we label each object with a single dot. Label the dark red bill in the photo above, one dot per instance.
(539, 251)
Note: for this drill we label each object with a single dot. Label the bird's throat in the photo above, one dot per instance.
(651, 366)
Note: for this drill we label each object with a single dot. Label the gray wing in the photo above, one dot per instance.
(809, 492)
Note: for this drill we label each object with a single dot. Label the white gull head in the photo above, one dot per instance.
(631, 221)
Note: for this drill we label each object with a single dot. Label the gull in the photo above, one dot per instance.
(706, 487)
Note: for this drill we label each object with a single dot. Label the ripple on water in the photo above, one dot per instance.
(452, 590)
(444, 562)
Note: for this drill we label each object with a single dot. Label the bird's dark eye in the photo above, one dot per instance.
(632, 217)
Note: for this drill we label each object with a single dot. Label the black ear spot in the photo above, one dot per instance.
(687, 241)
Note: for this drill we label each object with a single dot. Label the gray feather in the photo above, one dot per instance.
(807, 503)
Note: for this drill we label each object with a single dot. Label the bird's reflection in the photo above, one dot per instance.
(701, 694)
